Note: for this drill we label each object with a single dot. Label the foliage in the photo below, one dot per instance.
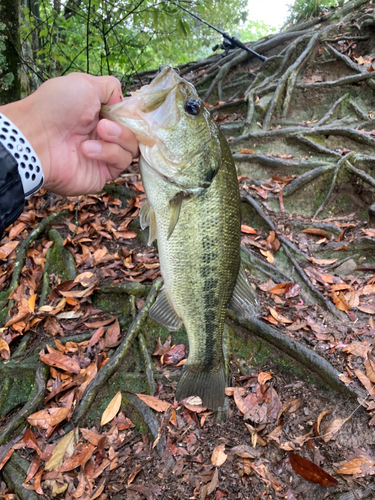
(303, 10)
(254, 30)
(6, 78)
(123, 36)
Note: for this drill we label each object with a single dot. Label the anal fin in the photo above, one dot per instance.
(153, 230)
(162, 312)
(244, 301)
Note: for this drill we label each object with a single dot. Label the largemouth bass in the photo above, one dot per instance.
(193, 209)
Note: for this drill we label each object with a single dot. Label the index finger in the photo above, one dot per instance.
(108, 89)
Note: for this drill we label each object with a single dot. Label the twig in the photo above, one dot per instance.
(335, 173)
(113, 364)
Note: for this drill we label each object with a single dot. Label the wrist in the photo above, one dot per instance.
(23, 115)
(18, 140)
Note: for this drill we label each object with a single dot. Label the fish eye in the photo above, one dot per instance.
(192, 106)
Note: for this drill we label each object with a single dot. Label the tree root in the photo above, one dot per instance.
(313, 145)
(21, 252)
(304, 355)
(251, 260)
(273, 161)
(361, 174)
(332, 110)
(339, 164)
(305, 178)
(285, 244)
(320, 225)
(15, 472)
(346, 80)
(288, 81)
(148, 364)
(35, 400)
(127, 287)
(113, 364)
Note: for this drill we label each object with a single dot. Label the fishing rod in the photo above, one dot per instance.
(230, 42)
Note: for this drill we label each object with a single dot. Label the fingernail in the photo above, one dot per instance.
(93, 147)
(112, 129)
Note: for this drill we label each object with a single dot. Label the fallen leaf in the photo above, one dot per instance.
(370, 368)
(65, 445)
(154, 403)
(358, 349)
(316, 231)
(61, 361)
(333, 428)
(8, 248)
(48, 418)
(318, 421)
(112, 409)
(340, 301)
(270, 258)
(310, 471)
(247, 151)
(355, 466)
(175, 354)
(247, 229)
(365, 382)
(279, 317)
(4, 349)
(218, 456)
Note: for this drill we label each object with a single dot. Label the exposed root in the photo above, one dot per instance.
(306, 356)
(148, 364)
(286, 244)
(339, 164)
(113, 364)
(15, 424)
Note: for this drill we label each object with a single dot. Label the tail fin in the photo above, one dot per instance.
(208, 385)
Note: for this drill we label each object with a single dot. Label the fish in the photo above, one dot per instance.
(192, 209)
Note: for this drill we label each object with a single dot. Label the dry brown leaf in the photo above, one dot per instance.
(48, 418)
(333, 428)
(268, 255)
(61, 361)
(365, 382)
(247, 151)
(154, 403)
(355, 466)
(358, 349)
(318, 421)
(112, 409)
(310, 471)
(279, 317)
(316, 231)
(66, 445)
(340, 301)
(247, 229)
(4, 349)
(8, 248)
(370, 368)
(263, 377)
(218, 456)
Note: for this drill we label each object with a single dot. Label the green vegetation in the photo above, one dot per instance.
(304, 10)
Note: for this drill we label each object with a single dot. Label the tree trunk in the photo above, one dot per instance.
(10, 86)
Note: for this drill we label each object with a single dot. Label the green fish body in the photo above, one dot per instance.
(193, 209)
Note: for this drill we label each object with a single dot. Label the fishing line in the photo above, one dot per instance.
(233, 40)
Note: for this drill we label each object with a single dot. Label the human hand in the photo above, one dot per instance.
(78, 153)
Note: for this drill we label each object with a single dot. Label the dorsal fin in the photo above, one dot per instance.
(244, 300)
(162, 312)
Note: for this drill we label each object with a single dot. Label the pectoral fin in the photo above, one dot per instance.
(153, 231)
(144, 215)
(162, 312)
(175, 204)
(244, 300)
